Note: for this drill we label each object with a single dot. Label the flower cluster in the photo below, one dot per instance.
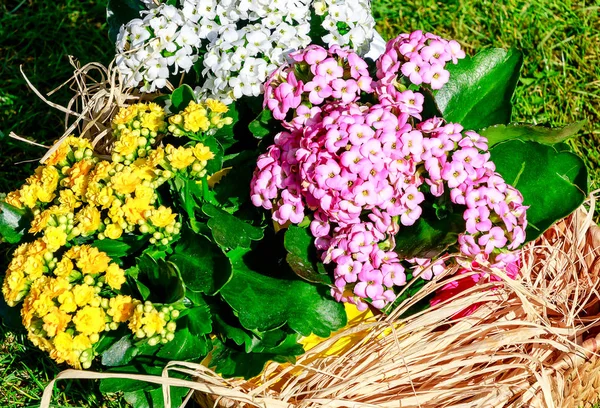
(363, 172)
(418, 57)
(241, 42)
(136, 129)
(71, 293)
(199, 117)
(317, 75)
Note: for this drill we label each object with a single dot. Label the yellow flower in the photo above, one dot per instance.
(125, 181)
(121, 308)
(113, 231)
(126, 115)
(144, 193)
(115, 276)
(180, 157)
(55, 321)
(64, 267)
(135, 320)
(152, 323)
(68, 199)
(89, 220)
(55, 238)
(154, 121)
(83, 294)
(78, 176)
(92, 261)
(134, 209)
(81, 342)
(216, 106)
(49, 177)
(29, 195)
(59, 155)
(14, 287)
(14, 198)
(155, 157)
(162, 217)
(90, 320)
(195, 118)
(33, 266)
(127, 143)
(202, 152)
(101, 172)
(67, 302)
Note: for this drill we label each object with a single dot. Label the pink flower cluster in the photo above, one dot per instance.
(362, 172)
(316, 75)
(420, 58)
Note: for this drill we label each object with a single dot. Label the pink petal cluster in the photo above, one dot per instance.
(419, 57)
(316, 75)
(361, 173)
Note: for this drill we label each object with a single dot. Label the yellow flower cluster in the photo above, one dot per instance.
(199, 117)
(136, 129)
(71, 293)
(72, 302)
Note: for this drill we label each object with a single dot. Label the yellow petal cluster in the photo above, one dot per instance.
(203, 117)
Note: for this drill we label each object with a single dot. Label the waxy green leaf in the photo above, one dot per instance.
(228, 230)
(202, 264)
(181, 98)
(119, 353)
(541, 134)
(266, 303)
(553, 181)
(263, 125)
(480, 88)
(232, 362)
(185, 346)
(302, 256)
(14, 222)
(162, 278)
(429, 237)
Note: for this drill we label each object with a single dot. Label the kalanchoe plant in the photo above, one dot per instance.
(362, 172)
(233, 46)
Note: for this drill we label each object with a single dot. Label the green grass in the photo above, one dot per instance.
(560, 84)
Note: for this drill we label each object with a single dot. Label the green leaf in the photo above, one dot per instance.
(228, 230)
(154, 398)
(203, 265)
(162, 278)
(263, 125)
(234, 188)
(119, 12)
(14, 222)
(112, 385)
(185, 346)
(181, 98)
(216, 163)
(541, 134)
(265, 303)
(119, 353)
(480, 88)
(231, 362)
(199, 320)
(302, 256)
(553, 181)
(225, 135)
(429, 237)
(121, 247)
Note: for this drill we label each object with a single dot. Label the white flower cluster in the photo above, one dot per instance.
(240, 42)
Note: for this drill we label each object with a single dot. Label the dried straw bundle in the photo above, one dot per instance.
(522, 348)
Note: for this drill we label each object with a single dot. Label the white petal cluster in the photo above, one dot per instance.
(348, 22)
(239, 42)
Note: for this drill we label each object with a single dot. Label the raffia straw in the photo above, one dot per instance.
(523, 347)
(91, 109)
